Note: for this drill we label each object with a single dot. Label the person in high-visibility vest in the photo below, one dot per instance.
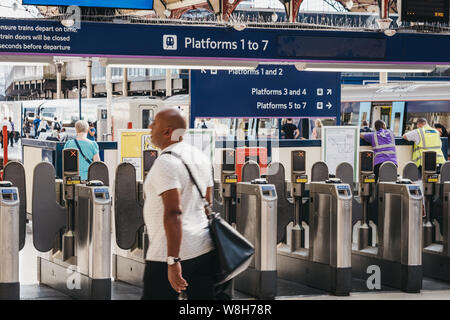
(383, 145)
(425, 138)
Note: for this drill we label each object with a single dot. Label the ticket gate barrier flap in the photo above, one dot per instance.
(128, 212)
(398, 253)
(87, 275)
(256, 220)
(9, 241)
(326, 264)
(15, 173)
(48, 216)
(436, 256)
(98, 171)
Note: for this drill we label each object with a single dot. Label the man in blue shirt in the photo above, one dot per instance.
(88, 150)
(91, 132)
(36, 123)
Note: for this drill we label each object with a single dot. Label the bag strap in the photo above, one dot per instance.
(188, 170)
(81, 151)
(207, 206)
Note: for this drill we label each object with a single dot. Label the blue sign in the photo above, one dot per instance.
(97, 39)
(120, 4)
(275, 91)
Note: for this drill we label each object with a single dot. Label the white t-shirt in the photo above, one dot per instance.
(169, 173)
(413, 136)
(7, 124)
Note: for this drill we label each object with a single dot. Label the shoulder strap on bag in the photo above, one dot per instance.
(188, 170)
(81, 152)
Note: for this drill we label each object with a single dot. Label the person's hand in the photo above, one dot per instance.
(175, 278)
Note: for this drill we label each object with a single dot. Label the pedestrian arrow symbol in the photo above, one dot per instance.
(329, 105)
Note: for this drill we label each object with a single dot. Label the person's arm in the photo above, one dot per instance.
(173, 227)
(96, 157)
(297, 133)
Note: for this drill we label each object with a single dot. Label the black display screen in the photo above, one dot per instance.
(228, 160)
(149, 159)
(70, 160)
(299, 161)
(425, 10)
(429, 159)
(366, 161)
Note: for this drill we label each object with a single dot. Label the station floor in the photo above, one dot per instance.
(31, 290)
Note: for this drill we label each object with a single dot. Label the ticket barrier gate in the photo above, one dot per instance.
(436, 252)
(12, 230)
(395, 244)
(324, 261)
(256, 220)
(72, 229)
(130, 231)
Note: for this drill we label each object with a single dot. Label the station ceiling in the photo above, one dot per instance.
(177, 7)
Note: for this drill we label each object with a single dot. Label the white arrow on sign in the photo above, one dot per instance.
(329, 92)
(329, 105)
(203, 71)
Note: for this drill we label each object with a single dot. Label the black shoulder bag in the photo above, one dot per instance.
(234, 251)
(89, 161)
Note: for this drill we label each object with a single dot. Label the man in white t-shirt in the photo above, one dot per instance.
(181, 255)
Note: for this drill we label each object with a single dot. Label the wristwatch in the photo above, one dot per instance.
(172, 260)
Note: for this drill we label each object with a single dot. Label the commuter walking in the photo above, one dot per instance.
(290, 130)
(43, 126)
(88, 150)
(365, 126)
(91, 132)
(425, 138)
(12, 133)
(36, 123)
(26, 128)
(383, 145)
(8, 128)
(181, 255)
(317, 131)
(56, 126)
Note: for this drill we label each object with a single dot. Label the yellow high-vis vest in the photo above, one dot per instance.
(430, 140)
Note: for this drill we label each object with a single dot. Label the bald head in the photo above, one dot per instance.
(168, 127)
(171, 118)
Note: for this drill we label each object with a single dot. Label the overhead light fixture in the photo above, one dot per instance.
(182, 64)
(384, 24)
(167, 13)
(364, 67)
(274, 17)
(239, 26)
(349, 4)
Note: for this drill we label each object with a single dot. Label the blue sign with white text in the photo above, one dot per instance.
(122, 4)
(278, 91)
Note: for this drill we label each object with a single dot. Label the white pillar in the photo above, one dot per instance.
(109, 93)
(59, 66)
(168, 82)
(383, 77)
(89, 80)
(125, 82)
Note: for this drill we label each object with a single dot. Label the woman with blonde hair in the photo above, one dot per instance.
(317, 131)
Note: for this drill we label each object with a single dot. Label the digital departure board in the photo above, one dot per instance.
(425, 10)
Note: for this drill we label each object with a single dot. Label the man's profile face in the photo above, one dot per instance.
(158, 131)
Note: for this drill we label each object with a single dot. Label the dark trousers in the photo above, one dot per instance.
(11, 138)
(198, 273)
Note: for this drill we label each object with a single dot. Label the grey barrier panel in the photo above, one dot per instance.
(344, 171)
(98, 171)
(319, 171)
(15, 173)
(250, 171)
(48, 216)
(445, 172)
(388, 172)
(410, 171)
(128, 212)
